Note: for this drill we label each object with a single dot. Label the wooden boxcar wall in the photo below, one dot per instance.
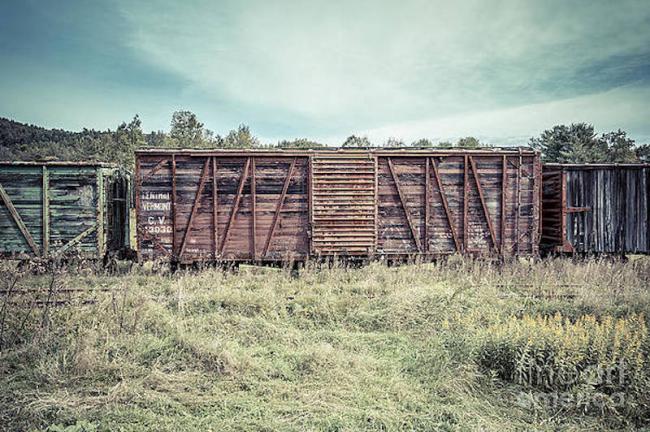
(279, 205)
(49, 209)
(596, 208)
(232, 207)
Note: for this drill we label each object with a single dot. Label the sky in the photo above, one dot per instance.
(499, 70)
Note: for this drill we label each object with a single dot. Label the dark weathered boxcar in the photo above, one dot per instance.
(264, 205)
(48, 209)
(596, 208)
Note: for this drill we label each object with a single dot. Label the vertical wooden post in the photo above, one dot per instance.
(465, 204)
(253, 209)
(173, 206)
(46, 212)
(376, 242)
(215, 202)
(504, 191)
(427, 202)
(138, 192)
(518, 202)
(101, 202)
(310, 193)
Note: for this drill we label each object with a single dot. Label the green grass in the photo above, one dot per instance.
(375, 348)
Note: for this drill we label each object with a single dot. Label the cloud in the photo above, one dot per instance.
(514, 126)
(368, 63)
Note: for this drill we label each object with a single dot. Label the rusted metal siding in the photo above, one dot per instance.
(261, 210)
(344, 201)
(603, 208)
(336, 202)
(460, 202)
(48, 209)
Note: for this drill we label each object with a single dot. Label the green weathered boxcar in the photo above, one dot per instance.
(49, 209)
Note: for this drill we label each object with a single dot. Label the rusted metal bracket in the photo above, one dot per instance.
(504, 195)
(155, 169)
(195, 207)
(18, 220)
(278, 209)
(154, 240)
(445, 204)
(215, 214)
(483, 205)
(577, 209)
(403, 201)
(235, 206)
(253, 210)
(465, 204)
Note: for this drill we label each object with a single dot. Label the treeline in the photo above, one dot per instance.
(575, 143)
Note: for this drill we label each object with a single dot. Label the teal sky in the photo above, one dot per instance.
(499, 70)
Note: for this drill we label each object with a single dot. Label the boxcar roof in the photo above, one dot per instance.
(597, 165)
(60, 163)
(338, 150)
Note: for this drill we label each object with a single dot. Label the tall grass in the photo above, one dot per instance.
(441, 346)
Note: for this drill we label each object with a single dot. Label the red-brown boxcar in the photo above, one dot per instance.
(275, 205)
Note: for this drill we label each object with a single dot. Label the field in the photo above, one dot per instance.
(460, 345)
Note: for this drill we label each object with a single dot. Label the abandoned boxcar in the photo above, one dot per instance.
(596, 208)
(274, 205)
(49, 209)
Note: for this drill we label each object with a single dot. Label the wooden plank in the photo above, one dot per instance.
(488, 218)
(376, 204)
(235, 206)
(138, 192)
(403, 201)
(45, 190)
(18, 220)
(427, 203)
(465, 204)
(276, 215)
(195, 206)
(445, 204)
(76, 240)
(504, 191)
(101, 201)
(253, 210)
(173, 205)
(215, 219)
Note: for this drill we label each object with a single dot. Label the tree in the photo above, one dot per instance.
(125, 140)
(468, 143)
(445, 144)
(579, 143)
(422, 143)
(355, 141)
(620, 148)
(240, 138)
(576, 143)
(643, 153)
(394, 143)
(300, 143)
(186, 130)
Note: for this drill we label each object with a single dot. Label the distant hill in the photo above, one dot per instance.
(21, 141)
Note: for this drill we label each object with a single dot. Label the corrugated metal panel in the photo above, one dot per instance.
(343, 204)
(50, 208)
(261, 210)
